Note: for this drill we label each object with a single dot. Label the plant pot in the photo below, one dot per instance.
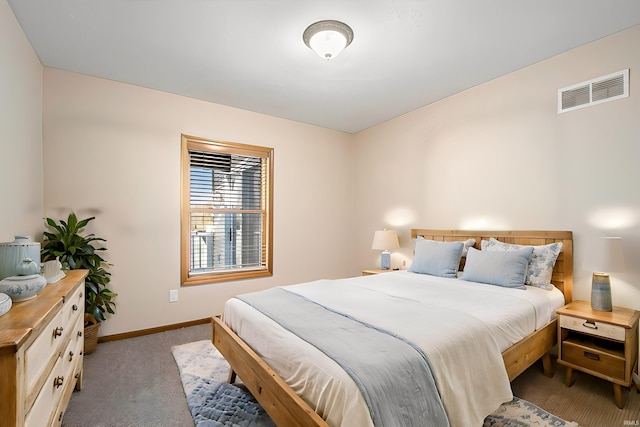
(90, 334)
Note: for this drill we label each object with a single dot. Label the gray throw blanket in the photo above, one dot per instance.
(392, 373)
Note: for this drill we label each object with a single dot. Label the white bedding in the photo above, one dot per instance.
(461, 326)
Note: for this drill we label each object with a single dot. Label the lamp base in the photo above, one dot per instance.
(601, 292)
(385, 260)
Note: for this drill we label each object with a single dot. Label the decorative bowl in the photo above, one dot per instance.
(22, 288)
(5, 303)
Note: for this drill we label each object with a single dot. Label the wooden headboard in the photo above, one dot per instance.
(562, 272)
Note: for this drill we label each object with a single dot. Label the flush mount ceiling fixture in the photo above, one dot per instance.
(328, 38)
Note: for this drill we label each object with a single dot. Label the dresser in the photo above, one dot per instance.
(41, 346)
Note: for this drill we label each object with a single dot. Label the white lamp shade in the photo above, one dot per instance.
(384, 240)
(610, 260)
(610, 255)
(328, 44)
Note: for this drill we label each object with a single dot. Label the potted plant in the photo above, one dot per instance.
(75, 251)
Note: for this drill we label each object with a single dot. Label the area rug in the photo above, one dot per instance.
(214, 403)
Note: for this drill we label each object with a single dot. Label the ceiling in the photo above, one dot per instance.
(250, 54)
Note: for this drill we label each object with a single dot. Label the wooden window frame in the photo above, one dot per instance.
(202, 144)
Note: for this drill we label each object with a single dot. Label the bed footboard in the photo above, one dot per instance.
(276, 397)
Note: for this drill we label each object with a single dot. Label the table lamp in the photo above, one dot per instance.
(385, 240)
(611, 260)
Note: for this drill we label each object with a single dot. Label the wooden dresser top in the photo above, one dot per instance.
(19, 323)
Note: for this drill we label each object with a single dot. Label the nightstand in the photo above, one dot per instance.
(371, 271)
(600, 343)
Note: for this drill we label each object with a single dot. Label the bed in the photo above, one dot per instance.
(261, 352)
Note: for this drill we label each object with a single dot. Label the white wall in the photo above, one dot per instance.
(498, 156)
(113, 150)
(20, 132)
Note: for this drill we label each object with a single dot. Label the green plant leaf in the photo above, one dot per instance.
(75, 251)
(82, 224)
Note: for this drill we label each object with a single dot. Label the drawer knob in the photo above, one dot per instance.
(590, 324)
(74, 307)
(57, 332)
(70, 356)
(58, 381)
(79, 333)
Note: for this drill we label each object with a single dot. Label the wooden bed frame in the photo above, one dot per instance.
(286, 408)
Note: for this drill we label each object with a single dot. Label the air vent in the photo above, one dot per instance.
(595, 91)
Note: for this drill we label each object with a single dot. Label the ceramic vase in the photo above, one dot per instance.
(601, 292)
(12, 254)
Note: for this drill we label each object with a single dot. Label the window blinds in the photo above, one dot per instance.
(227, 211)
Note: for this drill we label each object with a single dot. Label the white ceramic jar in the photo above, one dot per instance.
(12, 254)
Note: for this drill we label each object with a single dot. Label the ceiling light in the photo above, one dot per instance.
(328, 38)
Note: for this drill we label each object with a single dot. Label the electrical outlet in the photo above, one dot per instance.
(173, 295)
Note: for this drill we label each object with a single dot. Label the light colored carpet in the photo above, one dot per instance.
(134, 383)
(589, 401)
(212, 402)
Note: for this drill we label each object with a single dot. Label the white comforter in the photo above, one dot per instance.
(461, 326)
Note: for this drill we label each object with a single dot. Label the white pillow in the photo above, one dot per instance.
(436, 258)
(467, 244)
(541, 263)
(501, 268)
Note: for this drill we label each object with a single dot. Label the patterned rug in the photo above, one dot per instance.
(214, 403)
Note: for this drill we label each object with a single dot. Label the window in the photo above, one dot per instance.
(226, 211)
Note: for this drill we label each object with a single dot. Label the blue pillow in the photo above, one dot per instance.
(436, 258)
(541, 263)
(508, 269)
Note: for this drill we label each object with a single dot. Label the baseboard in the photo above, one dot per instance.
(150, 331)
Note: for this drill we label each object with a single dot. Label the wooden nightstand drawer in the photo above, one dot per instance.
(600, 329)
(591, 356)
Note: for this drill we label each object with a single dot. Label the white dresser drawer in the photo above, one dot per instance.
(72, 308)
(604, 330)
(74, 354)
(51, 392)
(41, 355)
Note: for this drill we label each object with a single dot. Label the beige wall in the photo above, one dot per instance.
(21, 132)
(498, 156)
(495, 156)
(113, 150)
